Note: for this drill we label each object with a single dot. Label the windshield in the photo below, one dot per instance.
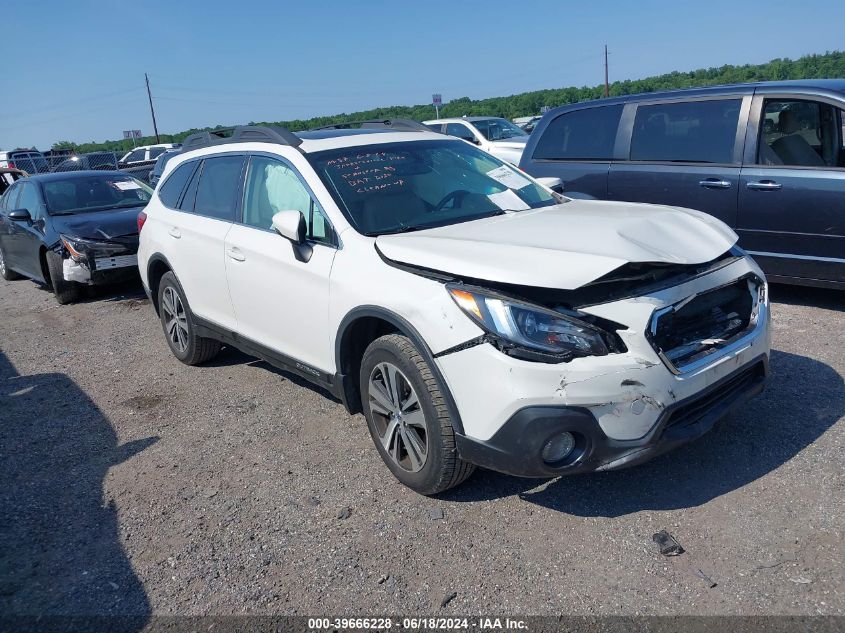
(396, 187)
(498, 129)
(94, 193)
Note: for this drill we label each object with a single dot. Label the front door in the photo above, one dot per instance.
(281, 292)
(792, 189)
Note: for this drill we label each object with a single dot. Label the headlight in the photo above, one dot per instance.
(80, 249)
(529, 326)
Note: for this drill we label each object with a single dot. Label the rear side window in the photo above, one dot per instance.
(170, 191)
(218, 187)
(694, 132)
(587, 134)
(155, 152)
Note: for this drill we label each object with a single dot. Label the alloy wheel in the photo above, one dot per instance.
(175, 319)
(398, 417)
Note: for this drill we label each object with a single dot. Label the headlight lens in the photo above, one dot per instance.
(529, 326)
(80, 249)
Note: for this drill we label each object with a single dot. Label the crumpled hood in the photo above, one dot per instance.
(565, 246)
(99, 225)
(516, 142)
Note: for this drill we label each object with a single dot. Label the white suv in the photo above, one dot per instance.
(495, 135)
(474, 316)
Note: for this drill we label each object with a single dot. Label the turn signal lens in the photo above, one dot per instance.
(466, 301)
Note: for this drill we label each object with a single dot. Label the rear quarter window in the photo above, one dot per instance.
(587, 134)
(172, 188)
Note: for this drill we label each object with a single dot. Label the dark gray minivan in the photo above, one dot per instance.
(767, 158)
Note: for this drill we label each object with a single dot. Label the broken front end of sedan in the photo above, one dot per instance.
(594, 354)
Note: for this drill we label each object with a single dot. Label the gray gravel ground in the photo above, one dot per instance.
(132, 484)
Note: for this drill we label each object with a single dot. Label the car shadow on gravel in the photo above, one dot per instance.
(803, 399)
(60, 546)
(230, 356)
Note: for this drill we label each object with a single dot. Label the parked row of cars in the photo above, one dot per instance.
(473, 314)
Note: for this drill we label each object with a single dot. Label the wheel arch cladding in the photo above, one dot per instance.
(357, 330)
(156, 269)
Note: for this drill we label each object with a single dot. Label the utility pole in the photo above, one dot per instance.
(153, 112)
(606, 84)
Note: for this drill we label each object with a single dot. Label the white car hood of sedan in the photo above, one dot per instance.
(516, 142)
(565, 246)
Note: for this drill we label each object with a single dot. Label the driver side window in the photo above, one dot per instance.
(30, 200)
(271, 187)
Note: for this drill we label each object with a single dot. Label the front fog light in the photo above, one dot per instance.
(558, 448)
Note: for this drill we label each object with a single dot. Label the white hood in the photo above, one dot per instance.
(516, 142)
(565, 246)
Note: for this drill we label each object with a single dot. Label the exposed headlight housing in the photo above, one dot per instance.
(81, 249)
(531, 331)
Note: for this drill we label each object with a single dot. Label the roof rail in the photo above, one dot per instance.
(241, 134)
(393, 124)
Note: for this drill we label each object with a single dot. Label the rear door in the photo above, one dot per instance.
(281, 292)
(197, 229)
(576, 146)
(683, 152)
(792, 187)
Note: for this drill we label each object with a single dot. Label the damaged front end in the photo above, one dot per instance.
(94, 262)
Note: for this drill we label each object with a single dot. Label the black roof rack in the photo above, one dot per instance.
(242, 134)
(394, 124)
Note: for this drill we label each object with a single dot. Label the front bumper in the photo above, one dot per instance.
(104, 270)
(516, 447)
(624, 406)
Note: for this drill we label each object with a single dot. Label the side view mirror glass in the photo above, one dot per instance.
(21, 215)
(291, 225)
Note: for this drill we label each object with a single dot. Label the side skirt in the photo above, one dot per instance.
(281, 361)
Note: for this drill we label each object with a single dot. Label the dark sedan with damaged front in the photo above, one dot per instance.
(70, 230)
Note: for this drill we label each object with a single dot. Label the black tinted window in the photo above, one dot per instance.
(697, 131)
(459, 130)
(587, 134)
(155, 152)
(135, 156)
(172, 188)
(218, 185)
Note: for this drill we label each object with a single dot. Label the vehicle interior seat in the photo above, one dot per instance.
(793, 148)
(768, 156)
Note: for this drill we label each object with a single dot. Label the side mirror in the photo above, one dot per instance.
(20, 215)
(291, 225)
(555, 184)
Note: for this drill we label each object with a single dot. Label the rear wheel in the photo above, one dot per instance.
(408, 417)
(65, 291)
(177, 321)
(5, 272)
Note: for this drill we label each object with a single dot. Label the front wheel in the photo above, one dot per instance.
(65, 291)
(408, 417)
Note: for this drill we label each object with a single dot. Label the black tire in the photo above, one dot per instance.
(196, 349)
(442, 468)
(65, 291)
(5, 272)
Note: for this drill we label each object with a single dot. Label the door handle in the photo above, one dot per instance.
(236, 254)
(174, 232)
(764, 185)
(715, 183)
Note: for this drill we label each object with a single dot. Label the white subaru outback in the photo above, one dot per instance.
(473, 315)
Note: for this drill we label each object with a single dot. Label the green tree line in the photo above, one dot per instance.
(819, 66)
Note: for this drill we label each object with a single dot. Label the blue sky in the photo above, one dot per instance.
(75, 70)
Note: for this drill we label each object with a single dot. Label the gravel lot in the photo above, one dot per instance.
(132, 484)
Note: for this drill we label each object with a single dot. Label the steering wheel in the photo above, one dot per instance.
(454, 195)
